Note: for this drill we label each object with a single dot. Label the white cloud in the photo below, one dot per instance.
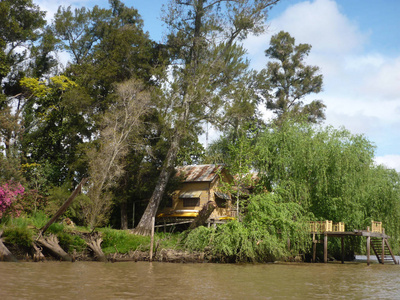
(361, 88)
(385, 82)
(51, 6)
(390, 161)
(321, 24)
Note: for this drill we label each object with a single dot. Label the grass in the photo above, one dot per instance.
(122, 241)
(22, 231)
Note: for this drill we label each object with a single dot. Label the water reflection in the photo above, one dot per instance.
(143, 280)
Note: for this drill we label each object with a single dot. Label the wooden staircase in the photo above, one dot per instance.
(378, 245)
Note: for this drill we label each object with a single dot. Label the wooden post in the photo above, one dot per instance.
(133, 214)
(368, 247)
(153, 220)
(383, 246)
(314, 247)
(325, 247)
(342, 249)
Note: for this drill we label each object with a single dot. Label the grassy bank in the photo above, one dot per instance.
(21, 233)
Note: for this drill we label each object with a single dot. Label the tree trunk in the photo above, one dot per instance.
(94, 243)
(124, 215)
(5, 254)
(38, 255)
(145, 224)
(203, 216)
(51, 243)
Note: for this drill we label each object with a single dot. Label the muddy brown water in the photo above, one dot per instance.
(144, 280)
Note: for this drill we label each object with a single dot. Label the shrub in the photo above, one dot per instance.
(9, 193)
(22, 236)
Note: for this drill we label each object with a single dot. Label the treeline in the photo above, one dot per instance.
(125, 110)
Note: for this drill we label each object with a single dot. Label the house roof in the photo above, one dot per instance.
(199, 173)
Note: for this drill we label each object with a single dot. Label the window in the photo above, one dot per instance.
(221, 199)
(187, 202)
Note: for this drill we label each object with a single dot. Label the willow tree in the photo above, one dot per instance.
(202, 36)
(330, 172)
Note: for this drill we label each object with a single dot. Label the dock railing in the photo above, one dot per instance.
(326, 226)
(376, 226)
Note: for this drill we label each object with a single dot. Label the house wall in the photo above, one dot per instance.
(207, 194)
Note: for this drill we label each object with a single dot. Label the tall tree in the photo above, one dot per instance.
(121, 126)
(56, 123)
(21, 23)
(106, 46)
(202, 35)
(291, 80)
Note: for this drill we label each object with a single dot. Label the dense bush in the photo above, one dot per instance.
(262, 236)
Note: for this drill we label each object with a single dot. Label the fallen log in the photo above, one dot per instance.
(203, 215)
(5, 254)
(51, 244)
(94, 243)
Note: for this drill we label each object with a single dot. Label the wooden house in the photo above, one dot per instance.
(199, 185)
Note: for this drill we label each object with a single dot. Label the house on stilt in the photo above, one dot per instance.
(199, 185)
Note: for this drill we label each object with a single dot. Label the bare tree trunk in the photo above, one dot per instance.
(51, 243)
(124, 215)
(5, 254)
(144, 226)
(94, 243)
(38, 255)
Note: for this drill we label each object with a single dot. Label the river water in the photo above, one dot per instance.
(144, 280)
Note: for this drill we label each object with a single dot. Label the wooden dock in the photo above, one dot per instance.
(376, 239)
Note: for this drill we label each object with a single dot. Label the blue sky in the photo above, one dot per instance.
(356, 44)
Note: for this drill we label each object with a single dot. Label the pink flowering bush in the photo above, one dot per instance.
(9, 194)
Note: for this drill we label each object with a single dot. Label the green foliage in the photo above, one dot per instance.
(70, 242)
(39, 219)
(261, 237)
(330, 173)
(16, 231)
(290, 80)
(122, 241)
(56, 228)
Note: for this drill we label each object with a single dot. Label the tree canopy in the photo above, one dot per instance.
(290, 79)
(125, 110)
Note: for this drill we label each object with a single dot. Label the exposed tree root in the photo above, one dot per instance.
(94, 243)
(38, 255)
(51, 243)
(5, 254)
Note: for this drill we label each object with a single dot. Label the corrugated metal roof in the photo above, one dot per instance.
(190, 194)
(199, 173)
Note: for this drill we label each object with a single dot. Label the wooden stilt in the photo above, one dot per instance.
(383, 247)
(342, 250)
(314, 248)
(368, 247)
(325, 247)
